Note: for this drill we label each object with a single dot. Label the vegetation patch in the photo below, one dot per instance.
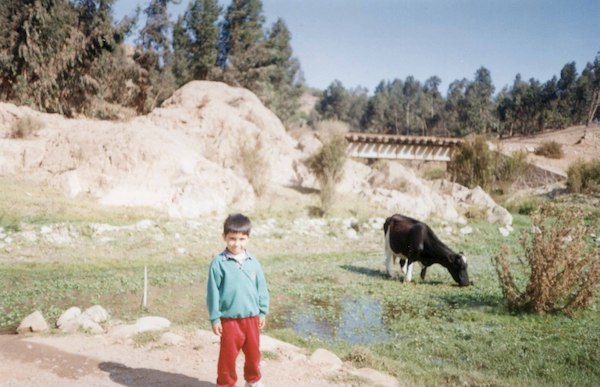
(584, 177)
(550, 149)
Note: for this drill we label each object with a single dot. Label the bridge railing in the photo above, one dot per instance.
(382, 146)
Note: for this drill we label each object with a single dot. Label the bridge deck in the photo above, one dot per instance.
(382, 146)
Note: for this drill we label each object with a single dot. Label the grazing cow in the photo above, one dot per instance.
(414, 241)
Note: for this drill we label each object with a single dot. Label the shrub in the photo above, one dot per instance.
(550, 149)
(255, 165)
(473, 164)
(328, 166)
(584, 177)
(562, 265)
(24, 127)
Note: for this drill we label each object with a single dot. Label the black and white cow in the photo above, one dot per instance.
(414, 241)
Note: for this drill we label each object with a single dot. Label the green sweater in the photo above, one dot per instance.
(234, 291)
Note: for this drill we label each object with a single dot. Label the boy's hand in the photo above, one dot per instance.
(262, 321)
(217, 329)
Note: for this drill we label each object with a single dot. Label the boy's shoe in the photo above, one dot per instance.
(255, 384)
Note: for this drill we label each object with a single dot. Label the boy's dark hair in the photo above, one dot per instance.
(237, 223)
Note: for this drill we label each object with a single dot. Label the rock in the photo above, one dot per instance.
(375, 377)
(152, 323)
(325, 358)
(209, 337)
(504, 231)
(82, 323)
(67, 315)
(171, 338)
(466, 230)
(97, 313)
(35, 322)
(122, 332)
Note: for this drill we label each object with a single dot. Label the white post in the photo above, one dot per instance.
(145, 298)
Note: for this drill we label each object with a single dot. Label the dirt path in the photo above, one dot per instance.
(85, 360)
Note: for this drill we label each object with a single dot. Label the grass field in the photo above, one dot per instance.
(327, 291)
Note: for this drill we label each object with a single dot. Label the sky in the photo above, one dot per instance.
(364, 42)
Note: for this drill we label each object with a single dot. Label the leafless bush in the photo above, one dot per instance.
(562, 264)
(256, 165)
(328, 165)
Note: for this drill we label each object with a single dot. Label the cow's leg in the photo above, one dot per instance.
(409, 270)
(388, 259)
(403, 265)
(389, 254)
(423, 272)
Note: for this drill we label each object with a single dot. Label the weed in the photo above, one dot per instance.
(269, 355)
(24, 127)
(144, 338)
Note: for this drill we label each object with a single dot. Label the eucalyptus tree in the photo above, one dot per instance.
(153, 53)
(455, 109)
(434, 105)
(594, 108)
(335, 102)
(48, 50)
(242, 43)
(281, 86)
(479, 104)
(196, 41)
(567, 84)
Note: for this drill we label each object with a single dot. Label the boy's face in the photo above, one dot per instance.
(236, 242)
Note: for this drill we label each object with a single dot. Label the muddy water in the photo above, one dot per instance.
(352, 320)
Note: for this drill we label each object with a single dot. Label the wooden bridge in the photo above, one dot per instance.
(383, 146)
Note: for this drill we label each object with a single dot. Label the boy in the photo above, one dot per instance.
(238, 302)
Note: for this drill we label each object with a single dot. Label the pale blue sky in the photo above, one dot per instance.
(362, 42)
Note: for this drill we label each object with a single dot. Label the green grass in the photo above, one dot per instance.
(437, 333)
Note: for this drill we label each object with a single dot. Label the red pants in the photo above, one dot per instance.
(244, 334)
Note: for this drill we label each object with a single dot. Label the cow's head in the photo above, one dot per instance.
(458, 269)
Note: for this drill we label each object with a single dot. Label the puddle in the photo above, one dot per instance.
(356, 321)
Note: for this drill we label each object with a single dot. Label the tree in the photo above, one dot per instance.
(241, 46)
(279, 87)
(196, 41)
(155, 80)
(455, 108)
(435, 104)
(48, 50)
(335, 102)
(478, 98)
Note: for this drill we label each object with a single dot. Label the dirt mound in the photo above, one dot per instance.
(179, 158)
(577, 143)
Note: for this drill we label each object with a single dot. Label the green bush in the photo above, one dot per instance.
(562, 265)
(550, 149)
(584, 177)
(475, 164)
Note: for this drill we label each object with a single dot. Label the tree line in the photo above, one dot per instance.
(409, 107)
(63, 56)
(70, 56)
